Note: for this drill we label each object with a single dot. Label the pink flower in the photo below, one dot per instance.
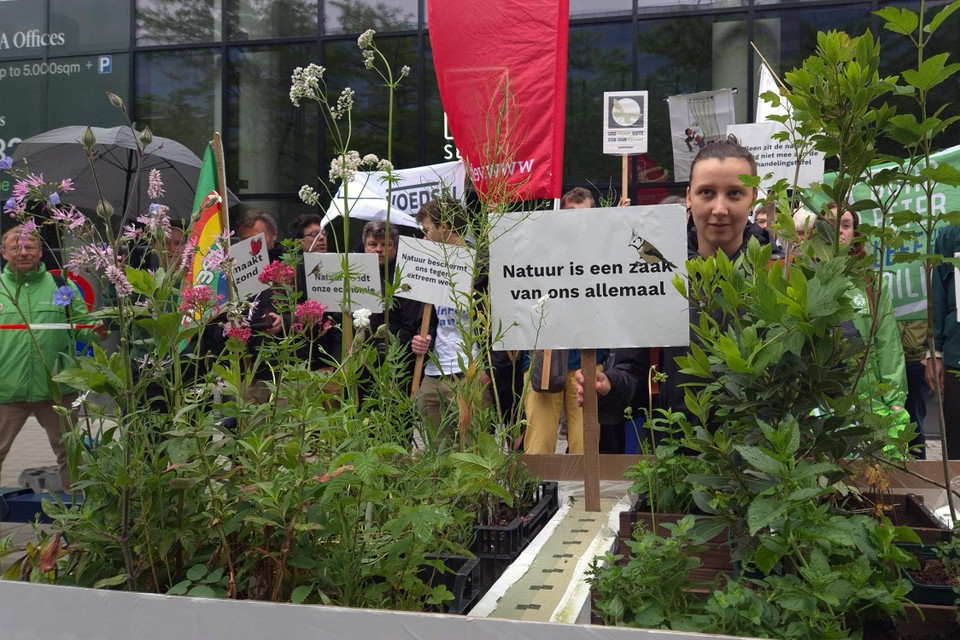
(131, 232)
(196, 300)
(241, 332)
(155, 189)
(310, 313)
(186, 258)
(216, 257)
(277, 274)
(91, 257)
(72, 218)
(118, 279)
(27, 232)
(157, 221)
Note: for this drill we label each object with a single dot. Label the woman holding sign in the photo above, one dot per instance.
(719, 204)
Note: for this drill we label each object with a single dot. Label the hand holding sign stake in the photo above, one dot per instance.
(418, 366)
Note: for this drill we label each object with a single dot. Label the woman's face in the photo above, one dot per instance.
(846, 228)
(720, 204)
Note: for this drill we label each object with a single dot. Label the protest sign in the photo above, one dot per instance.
(625, 122)
(433, 272)
(368, 192)
(776, 157)
(324, 275)
(591, 279)
(697, 119)
(250, 256)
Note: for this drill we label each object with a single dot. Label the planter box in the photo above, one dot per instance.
(462, 579)
(714, 559)
(924, 593)
(909, 510)
(935, 622)
(498, 546)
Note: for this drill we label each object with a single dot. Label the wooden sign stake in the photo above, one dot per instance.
(545, 371)
(591, 432)
(624, 178)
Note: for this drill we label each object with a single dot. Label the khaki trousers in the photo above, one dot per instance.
(13, 415)
(543, 412)
(543, 417)
(437, 403)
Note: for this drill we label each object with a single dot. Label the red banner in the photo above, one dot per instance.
(502, 70)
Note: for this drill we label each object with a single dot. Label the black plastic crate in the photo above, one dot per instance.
(463, 580)
(497, 547)
(504, 542)
(546, 506)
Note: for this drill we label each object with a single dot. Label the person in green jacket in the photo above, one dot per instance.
(886, 369)
(31, 296)
(943, 369)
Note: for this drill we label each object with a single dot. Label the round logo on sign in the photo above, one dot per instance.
(626, 111)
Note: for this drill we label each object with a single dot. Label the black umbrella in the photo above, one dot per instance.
(59, 154)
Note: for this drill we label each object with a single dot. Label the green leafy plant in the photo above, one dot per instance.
(652, 589)
(784, 406)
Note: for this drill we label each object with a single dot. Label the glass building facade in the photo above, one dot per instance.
(187, 68)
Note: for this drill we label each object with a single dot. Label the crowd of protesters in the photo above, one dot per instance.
(544, 390)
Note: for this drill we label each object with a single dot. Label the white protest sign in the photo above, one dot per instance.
(625, 122)
(777, 157)
(367, 192)
(434, 272)
(592, 278)
(324, 275)
(250, 256)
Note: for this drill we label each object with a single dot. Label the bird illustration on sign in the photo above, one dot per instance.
(649, 254)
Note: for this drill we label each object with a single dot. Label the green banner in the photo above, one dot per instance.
(905, 280)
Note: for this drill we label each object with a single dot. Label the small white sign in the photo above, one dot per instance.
(593, 278)
(625, 122)
(435, 273)
(777, 157)
(324, 275)
(250, 256)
